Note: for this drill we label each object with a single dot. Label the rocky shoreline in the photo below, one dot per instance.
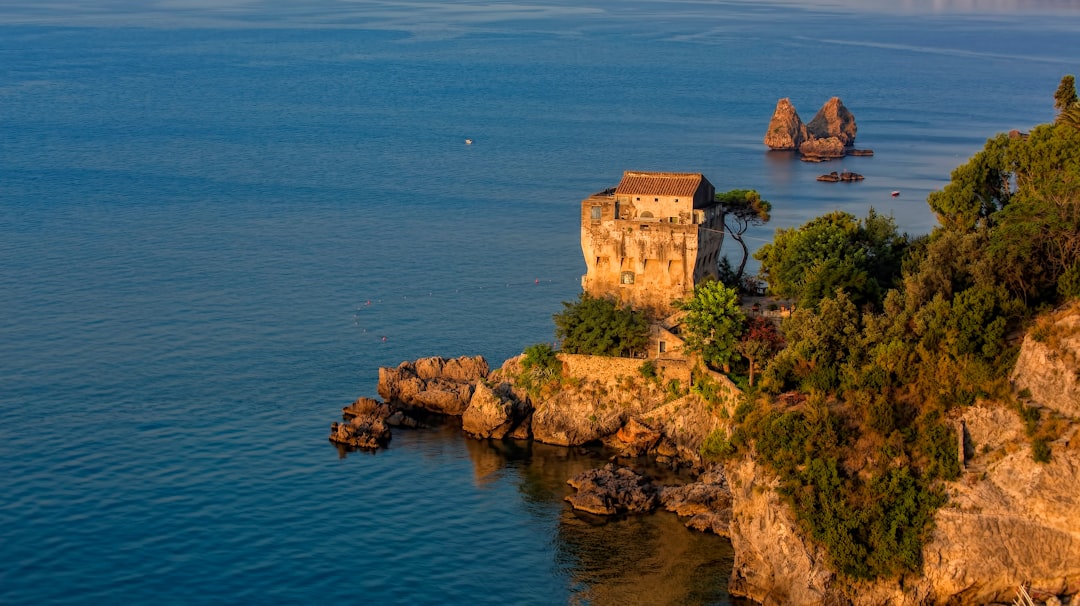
(491, 406)
(981, 550)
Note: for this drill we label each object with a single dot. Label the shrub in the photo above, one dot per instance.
(599, 326)
(1040, 450)
(539, 366)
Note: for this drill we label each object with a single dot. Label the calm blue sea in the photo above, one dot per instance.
(217, 223)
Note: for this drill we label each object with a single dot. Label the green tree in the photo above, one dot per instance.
(600, 327)
(742, 208)
(1065, 95)
(831, 253)
(713, 323)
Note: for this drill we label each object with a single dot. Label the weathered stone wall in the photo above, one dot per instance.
(608, 370)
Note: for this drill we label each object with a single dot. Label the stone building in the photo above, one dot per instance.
(650, 239)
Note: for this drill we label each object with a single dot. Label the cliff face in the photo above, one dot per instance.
(775, 563)
(1048, 365)
(1010, 521)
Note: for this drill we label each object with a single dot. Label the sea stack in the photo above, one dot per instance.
(834, 120)
(786, 129)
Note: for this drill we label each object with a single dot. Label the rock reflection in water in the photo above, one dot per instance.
(650, 559)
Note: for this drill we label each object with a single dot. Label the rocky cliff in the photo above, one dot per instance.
(1049, 363)
(1010, 521)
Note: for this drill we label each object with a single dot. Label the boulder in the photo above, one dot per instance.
(637, 438)
(707, 502)
(827, 148)
(786, 130)
(613, 489)
(573, 418)
(833, 120)
(365, 425)
(494, 412)
(434, 384)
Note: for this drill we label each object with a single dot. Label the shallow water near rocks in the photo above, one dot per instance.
(216, 224)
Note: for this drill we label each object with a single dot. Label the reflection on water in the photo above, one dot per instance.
(650, 559)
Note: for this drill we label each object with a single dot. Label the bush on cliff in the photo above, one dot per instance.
(599, 326)
(539, 366)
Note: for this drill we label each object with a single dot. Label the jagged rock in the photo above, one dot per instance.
(775, 561)
(827, 148)
(571, 418)
(494, 412)
(786, 129)
(1048, 368)
(435, 384)
(365, 425)
(613, 489)
(464, 369)
(833, 120)
(706, 502)
(637, 438)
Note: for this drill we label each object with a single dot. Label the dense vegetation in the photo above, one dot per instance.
(892, 333)
(599, 326)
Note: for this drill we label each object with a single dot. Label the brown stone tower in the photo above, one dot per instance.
(649, 240)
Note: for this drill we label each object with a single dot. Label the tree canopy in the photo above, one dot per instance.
(834, 252)
(600, 327)
(713, 323)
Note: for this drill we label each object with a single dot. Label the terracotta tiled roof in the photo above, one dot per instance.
(659, 184)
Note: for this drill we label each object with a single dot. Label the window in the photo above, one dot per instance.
(596, 213)
(663, 346)
(627, 277)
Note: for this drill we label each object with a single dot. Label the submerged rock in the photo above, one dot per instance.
(613, 489)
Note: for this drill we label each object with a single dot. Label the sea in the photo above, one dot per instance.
(219, 219)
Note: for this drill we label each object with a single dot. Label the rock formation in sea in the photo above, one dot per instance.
(364, 425)
(827, 148)
(786, 130)
(613, 489)
(829, 135)
(834, 120)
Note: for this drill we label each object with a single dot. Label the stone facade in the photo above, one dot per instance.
(650, 239)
